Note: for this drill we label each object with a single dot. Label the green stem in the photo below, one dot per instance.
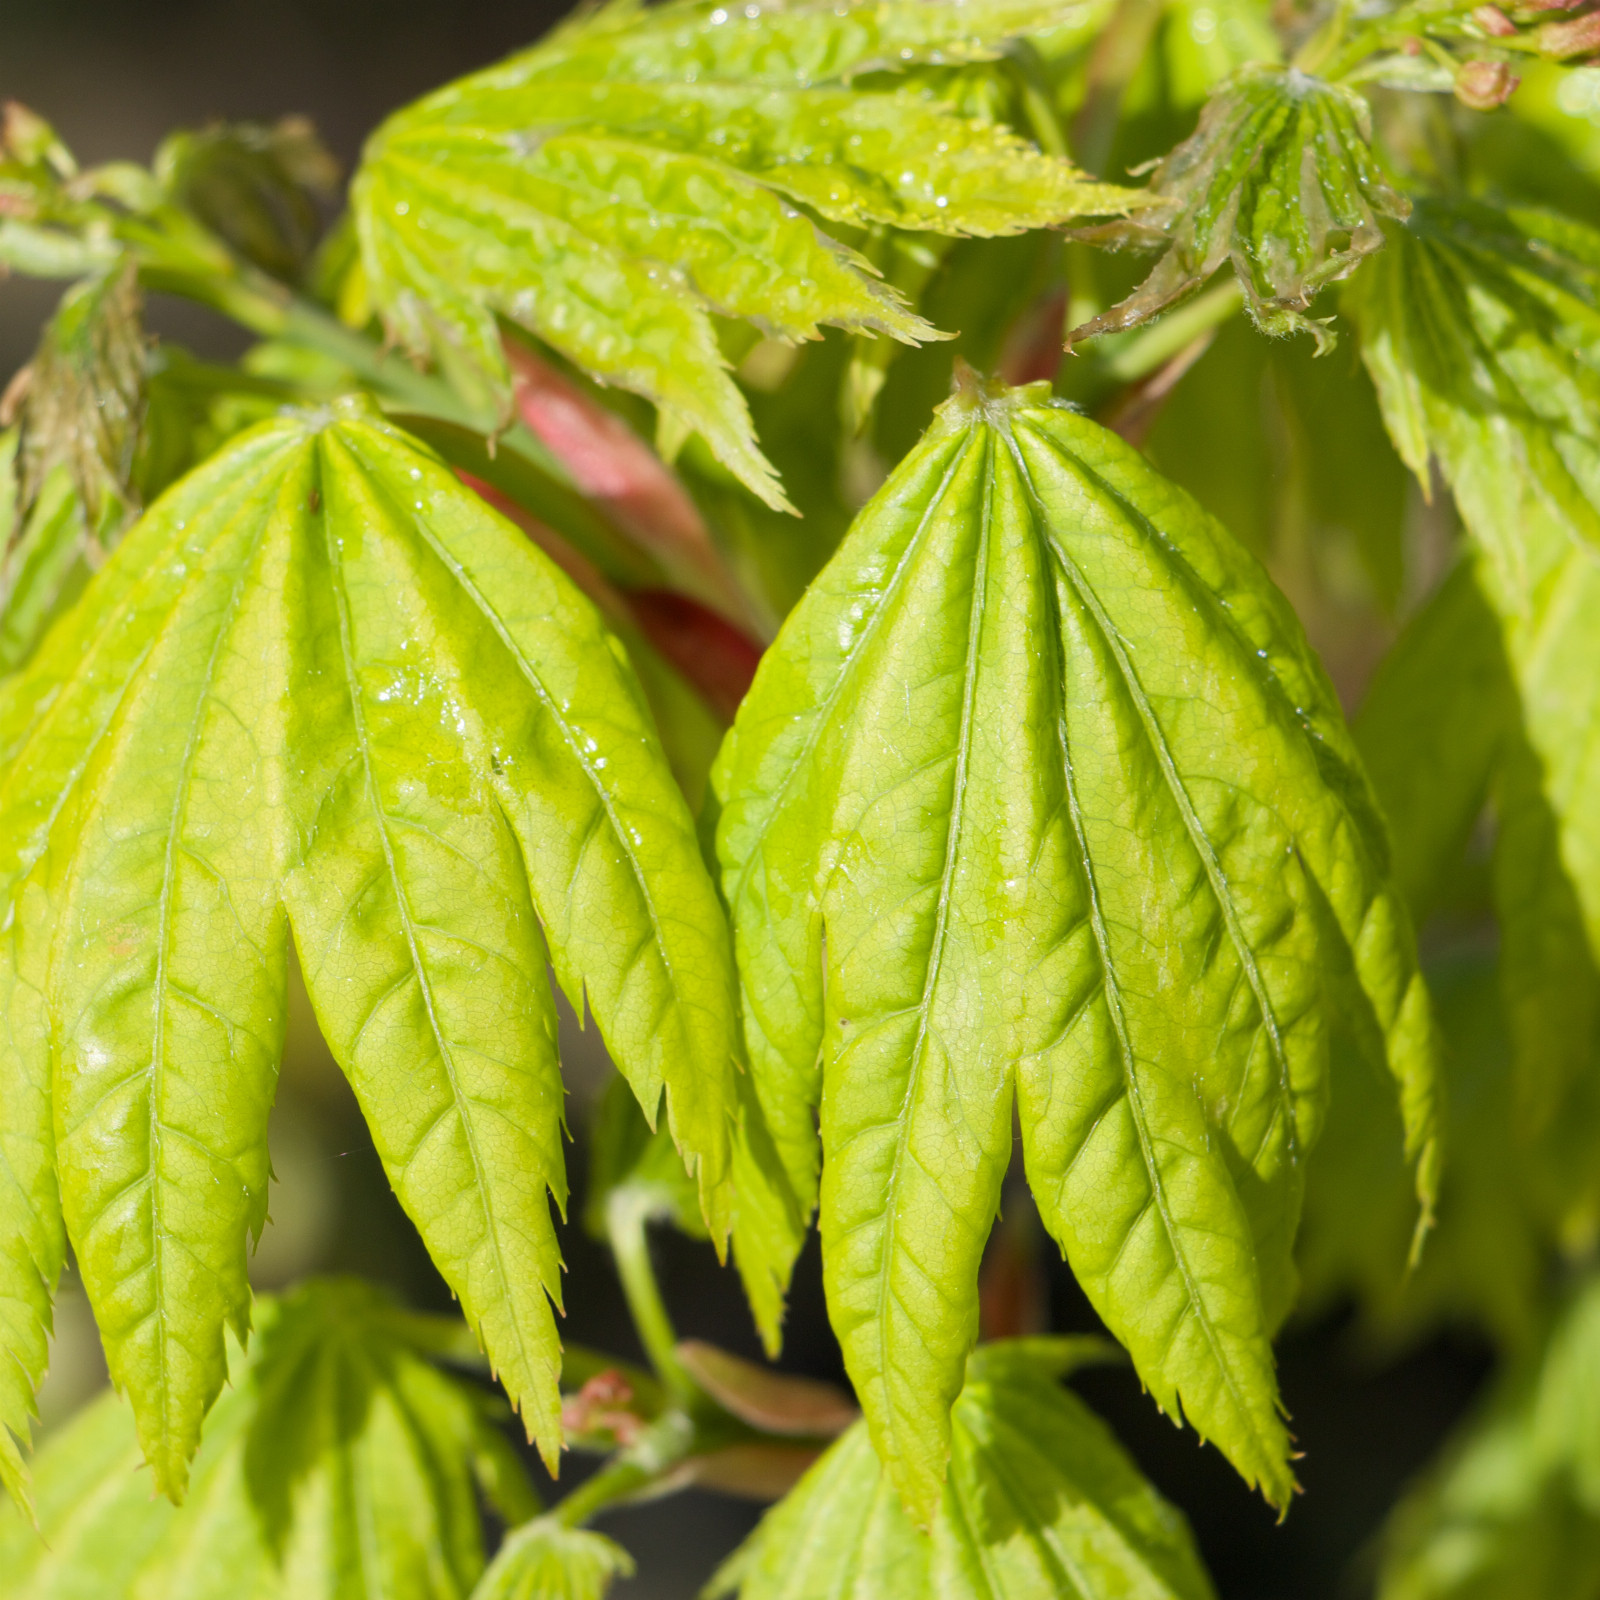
(1118, 54)
(663, 1446)
(627, 1217)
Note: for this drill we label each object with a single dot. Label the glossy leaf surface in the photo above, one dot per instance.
(615, 185)
(323, 687)
(1279, 180)
(1041, 791)
(340, 1465)
(1041, 1502)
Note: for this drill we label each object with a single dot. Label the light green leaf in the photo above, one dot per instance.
(1432, 729)
(1514, 1508)
(1280, 180)
(1041, 1503)
(1441, 732)
(1482, 331)
(340, 1465)
(613, 186)
(543, 1560)
(32, 1235)
(1041, 788)
(322, 679)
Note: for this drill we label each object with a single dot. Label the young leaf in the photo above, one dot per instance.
(80, 421)
(1482, 332)
(612, 187)
(84, 397)
(322, 682)
(1280, 180)
(542, 1560)
(255, 186)
(1042, 790)
(32, 1235)
(340, 1463)
(1041, 1502)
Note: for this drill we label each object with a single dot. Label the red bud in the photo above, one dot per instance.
(1494, 22)
(1483, 85)
(1562, 41)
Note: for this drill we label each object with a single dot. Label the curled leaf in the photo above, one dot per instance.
(1279, 179)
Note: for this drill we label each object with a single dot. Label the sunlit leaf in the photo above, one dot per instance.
(1279, 180)
(1042, 791)
(323, 687)
(340, 1465)
(1041, 1502)
(637, 171)
(1482, 330)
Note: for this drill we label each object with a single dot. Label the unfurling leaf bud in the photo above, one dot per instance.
(1563, 41)
(1483, 85)
(1494, 22)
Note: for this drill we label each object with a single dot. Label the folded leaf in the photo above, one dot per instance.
(79, 430)
(1041, 1502)
(340, 1464)
(1042, 790)
(1482, 332)
(322, 684)
(612, 187)
(543, 1560)
(1280, 180)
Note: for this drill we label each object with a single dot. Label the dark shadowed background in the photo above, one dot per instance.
(114, 76)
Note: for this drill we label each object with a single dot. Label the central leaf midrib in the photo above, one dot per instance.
(402, 905)
(530, 675)
(1196, 1301)
(953, 833)
(1193, 827)
(164, 912)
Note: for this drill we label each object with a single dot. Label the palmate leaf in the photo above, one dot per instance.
(322, 687)
(341, 1464)
(1279, 179)
(1482, 331)
(1041, 1502)
(616, 184)
(1041, 788)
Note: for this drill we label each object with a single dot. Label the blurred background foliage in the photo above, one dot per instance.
(1379, 1366)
